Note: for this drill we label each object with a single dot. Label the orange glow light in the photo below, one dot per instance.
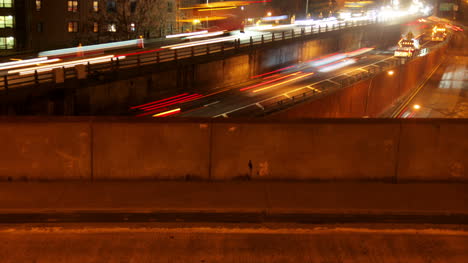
(167, 113)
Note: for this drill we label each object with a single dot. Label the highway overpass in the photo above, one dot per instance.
(111, 88)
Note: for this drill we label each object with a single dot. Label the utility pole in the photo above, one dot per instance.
(307, 8)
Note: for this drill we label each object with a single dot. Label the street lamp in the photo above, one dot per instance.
(307, 8)
(417, 106)
(390, 72)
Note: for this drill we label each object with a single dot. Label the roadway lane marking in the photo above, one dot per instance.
(213, 103)
(259, 105)
(334, 82)
(287, 96)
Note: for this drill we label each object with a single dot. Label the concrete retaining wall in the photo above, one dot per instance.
(369, 97)
(106, 149)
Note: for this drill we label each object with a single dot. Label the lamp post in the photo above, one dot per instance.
(307, 8)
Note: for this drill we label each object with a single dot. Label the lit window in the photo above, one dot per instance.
(132, 27)
(95, 6)
(7, 42)
(6, 3)
(73, 27)
(38, 5)
(6, 22)
(111, 28)
(73, 6)
(95, 27)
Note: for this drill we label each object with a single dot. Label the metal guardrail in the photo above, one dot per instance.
(116, 64)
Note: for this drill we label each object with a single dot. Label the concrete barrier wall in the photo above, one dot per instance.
(434, 149)
(124, 149)
(301, 150)
(45, 150)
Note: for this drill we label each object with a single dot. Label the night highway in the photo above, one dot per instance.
(206, 131)
(242, 101)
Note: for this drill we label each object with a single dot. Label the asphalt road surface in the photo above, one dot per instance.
(445, 95)
(232, 243)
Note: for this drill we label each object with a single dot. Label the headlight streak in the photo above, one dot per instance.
(187, 34)
(68, 64)
(284, 82)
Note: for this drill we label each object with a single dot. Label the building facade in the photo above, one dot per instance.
(13, 26)
(67, 23)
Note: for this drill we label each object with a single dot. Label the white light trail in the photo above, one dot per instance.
(65, 51)
(338, 65)
(27, 62)
(203, 42)
(218, 33)
(69, 64)
(187, 34)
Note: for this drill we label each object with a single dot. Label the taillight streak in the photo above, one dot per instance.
(181, 100)
(271, 72)
(158, 101)
(267, 82)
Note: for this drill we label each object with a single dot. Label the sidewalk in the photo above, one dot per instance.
(233, 202)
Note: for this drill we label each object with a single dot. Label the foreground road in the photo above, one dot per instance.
(232, 243)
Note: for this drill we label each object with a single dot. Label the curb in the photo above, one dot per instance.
(233, 217)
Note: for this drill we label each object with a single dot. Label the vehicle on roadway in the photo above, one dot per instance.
(407, 46)
(439, 33)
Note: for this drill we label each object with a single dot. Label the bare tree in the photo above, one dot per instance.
(129, 19)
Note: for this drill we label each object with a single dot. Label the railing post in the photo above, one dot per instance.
(222, 47)
(207, 49)
(312, 29)
(192, 51)
(238, 42)
(302, 31)
(157, 57)
(117, 63)
(263, 40)
(320, 28)
(283, 35)
(36, 77)
(272, 36)
(138, 60)
(251, 41)
(175, 54)
(333, 27)
(292, 33)
(326, 27)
